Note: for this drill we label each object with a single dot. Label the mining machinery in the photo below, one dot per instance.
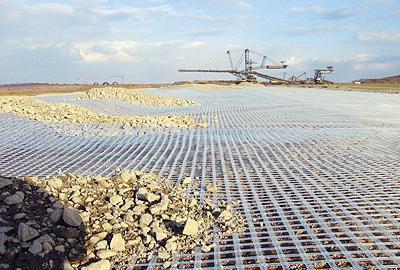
(296, 78)
(251, 68)
(318, 74)
(98, 81)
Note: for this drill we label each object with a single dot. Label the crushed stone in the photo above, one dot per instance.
(102, 222)
(60, 112)
(133, 96)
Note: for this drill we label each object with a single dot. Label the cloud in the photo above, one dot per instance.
(135, 12)
(380, 37)
(326, 13)
(369, 64)
(358, 58)
(384, 66)
(207, 32)
(295, 31)
(131, 51)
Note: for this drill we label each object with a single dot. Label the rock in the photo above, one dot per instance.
(163, 254)
(47, 247)
(97, 237)
(161, 206)
(66, 265)
(56, 183)
(104, 254)
(26, 233)
(145, 220)
(117, 243)
(19, 216)
(125, 176)
(55, 216)
(71, 217)
(225, 215)
(106, 226)
(35, 248)
(116, 199)
(171, 245)
(100, 265)
(139, 209)
(206, 248)
(4, 182)
(212, 188)
(17, 198)
(4, 266)
(187, 181)
(145, 195)
(101, 245)
(6, 229)
(3, 240)
(60, 248)
(70, 233)
(45, 239)
(191, 227)
(160, 234)
(58, 205)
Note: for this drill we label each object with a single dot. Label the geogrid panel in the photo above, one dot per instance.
(317, 172)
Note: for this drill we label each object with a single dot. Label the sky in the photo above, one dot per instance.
(147, 41)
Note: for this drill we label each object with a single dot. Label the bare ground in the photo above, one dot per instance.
(40, 89)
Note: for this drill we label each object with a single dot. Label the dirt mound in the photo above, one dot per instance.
(131, 215)
(59, 112)
(133, 97)
(391, 79)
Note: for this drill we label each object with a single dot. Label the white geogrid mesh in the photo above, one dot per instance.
(317, 171)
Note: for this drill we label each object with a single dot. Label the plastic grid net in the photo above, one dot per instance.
(317, 172)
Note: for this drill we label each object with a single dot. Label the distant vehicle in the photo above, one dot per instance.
(357, 82)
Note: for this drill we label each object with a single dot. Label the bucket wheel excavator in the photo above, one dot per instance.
(246, 69)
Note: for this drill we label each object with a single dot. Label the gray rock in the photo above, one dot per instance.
(72, 217)
(6, 229)
(17, 198)
(35, 248)
(60, 248)
(3, 240)
(55, 216)
(47, 247)
(45, 239)
(26, 233)
(4, 182)
(19, 216)
(4, 266)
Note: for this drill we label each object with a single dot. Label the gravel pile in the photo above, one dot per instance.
(75, 222)
(133, 97)
(59, 112)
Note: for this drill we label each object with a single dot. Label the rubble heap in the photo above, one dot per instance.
(77, 222)
(133, 97)
(60, 112)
